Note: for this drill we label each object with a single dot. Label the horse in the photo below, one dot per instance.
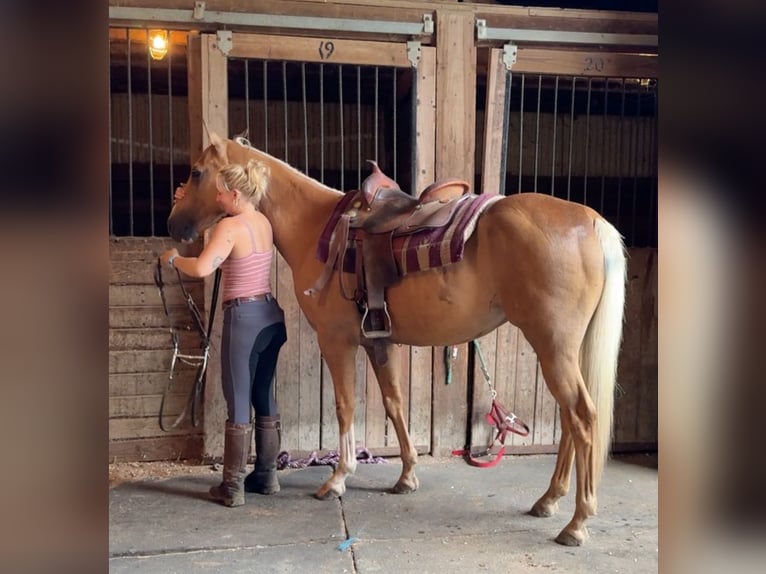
(555, 269)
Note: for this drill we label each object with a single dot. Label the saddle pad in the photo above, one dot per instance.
(421, 250)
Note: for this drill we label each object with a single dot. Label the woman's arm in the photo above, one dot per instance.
(215, 252)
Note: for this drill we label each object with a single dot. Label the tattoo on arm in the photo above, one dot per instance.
(217, 261)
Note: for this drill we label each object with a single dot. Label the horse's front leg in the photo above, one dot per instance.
(390, 387)
(341, 357)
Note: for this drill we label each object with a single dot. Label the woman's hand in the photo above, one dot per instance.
(165, 257)
(180, 193)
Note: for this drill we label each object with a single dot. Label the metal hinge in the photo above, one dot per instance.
(413, 52)
(223, 41)
(509, 55)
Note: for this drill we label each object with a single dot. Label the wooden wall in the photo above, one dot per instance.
(140, 350)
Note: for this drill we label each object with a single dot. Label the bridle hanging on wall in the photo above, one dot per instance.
(200, 360)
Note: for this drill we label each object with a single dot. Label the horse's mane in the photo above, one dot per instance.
(244, 142)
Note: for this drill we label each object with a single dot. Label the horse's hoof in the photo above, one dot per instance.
(404, 487)
(328, 493)
(572, 537)
(544, 510)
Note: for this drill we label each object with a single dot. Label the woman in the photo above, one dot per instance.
(253, 328)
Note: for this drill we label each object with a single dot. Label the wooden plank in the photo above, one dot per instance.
(329, 434)
(481, 432)
(361, 397)
(525, 389)
(493, 122)
(147, 405)
(585, 63)
(149, 295)
(149, 317)
(145, 427)
(647, 429)
(194, 98)
(321, 49)
(375, 415)
(627, 398)
(455, 146)
(215, 97)
(127, 384)
(289, 374)
(421, 358)
(310, 382)
(143, 361)
(184, 447)
(155, 338)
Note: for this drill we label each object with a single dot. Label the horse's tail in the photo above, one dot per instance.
(601, 345)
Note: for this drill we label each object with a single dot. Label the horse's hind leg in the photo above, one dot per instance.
(390, 388)
(340, 358)
(547, 505)
(578, 415)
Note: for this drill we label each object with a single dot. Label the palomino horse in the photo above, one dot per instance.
(553, 268)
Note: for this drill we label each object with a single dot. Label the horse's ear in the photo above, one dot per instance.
(219, 144)
(243, 135)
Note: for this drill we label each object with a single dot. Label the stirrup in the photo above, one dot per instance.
(379, 333)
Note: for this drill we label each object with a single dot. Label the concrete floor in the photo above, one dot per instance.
(462, 520)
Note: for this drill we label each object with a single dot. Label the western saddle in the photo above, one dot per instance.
(377, 213)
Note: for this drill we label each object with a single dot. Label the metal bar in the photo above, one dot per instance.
(561, 37)
(130, 144)
(396, 121)
(537, 128)
(284, 101)
(571, 137)
(621, 161)
(555, 125)
(321, 123)
(414, 137)
(305, 118)
(247, 97)
(652, 239)
(424, 27)
(377, 135)
(587, 144)
(604, 146)
(265, 107)
(637, 123)
(151, 139)
(521, 130)
(359, 126)
(111, 204)
(342, 139)
(170, 126)
(506, 124)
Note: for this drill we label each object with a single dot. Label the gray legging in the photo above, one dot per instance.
(253, 334)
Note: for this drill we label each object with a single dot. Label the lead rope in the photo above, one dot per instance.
(199, 360)
(497, 416)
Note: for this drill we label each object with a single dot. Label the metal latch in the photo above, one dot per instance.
(509, 55)
(428, 24)
(199, 11)
(481, 29)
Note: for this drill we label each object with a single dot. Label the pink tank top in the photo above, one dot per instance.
(249, 275)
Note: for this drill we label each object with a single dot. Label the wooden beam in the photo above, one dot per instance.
(455, 147)
(215, 96)
(321, 50)
(585, 63)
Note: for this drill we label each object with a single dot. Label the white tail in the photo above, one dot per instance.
(598, 357)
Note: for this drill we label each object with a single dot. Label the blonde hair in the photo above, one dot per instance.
(251, 179)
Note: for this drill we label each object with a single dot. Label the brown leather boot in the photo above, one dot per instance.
(268, 434)
(236, 444)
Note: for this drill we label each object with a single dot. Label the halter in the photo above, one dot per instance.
(199, 360)
(498, 416)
